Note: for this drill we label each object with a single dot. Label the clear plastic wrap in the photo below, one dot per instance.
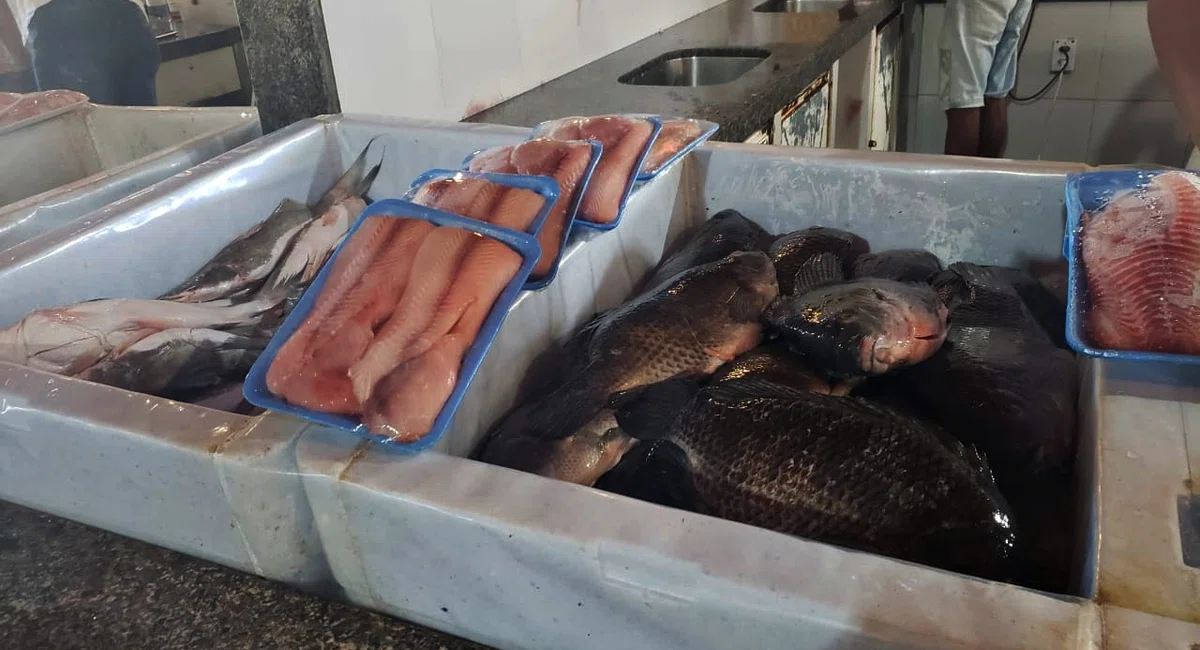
(387, 339)
(570, 164)
(677, 137)
(626, 140)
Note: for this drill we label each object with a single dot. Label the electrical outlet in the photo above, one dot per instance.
(1058, 59)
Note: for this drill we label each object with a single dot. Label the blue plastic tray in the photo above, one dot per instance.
(543, 185)
(1088, 192)
(256, 391)
(707, 129)
(572, 208)
(656, 126)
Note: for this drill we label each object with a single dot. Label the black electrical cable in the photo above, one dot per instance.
(1012, 94)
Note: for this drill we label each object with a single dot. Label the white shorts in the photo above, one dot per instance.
(978, 54)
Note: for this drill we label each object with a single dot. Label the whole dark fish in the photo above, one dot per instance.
(860, 327)
(242, 266)
(687, 327)
(726, 232)
(1046, 308)
(779, 366)
(178, 361)
(834, 469)
(791, 251)
(998, 382)
(903, 265)
(656, 471)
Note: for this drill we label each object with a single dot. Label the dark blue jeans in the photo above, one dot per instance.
(102, 48)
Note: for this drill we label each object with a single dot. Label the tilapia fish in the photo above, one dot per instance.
(68, 340)
(869, 326)
(791, 251)
(582, 457)
(178, 362)
(834, 469)
(998, 382)
(248, 260)
(904, 265)
(779, 366)
(1048, 309)
(1141, 254)
(726, 232)
(687, 327)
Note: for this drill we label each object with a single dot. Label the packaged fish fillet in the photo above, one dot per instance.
(677, 137)
(527, 203)
(388, 337)
(1132, 245)
(626, 141)
(570, 164)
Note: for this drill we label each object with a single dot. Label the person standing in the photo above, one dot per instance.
(978, 65)
(101, 48)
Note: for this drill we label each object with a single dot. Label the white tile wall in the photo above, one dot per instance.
(451, 58)
(1113, 108)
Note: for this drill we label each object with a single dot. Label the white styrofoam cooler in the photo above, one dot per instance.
(204, 482)
(520, 561)
(57, 170)
(506, 558)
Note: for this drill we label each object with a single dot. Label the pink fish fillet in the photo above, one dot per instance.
(485, 272)
(623, 139)
(434, 269)
(565, 162)
(672, 138)
(1141, 253)
(349, 266)
(409, 399)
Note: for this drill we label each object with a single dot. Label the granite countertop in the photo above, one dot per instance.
(67, 586)
(194, 38)
(802, 47)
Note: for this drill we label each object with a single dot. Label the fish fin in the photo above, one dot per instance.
(367, 181)
(568, 407)
(737, 390)
(648, 413)
(820, 270)
(658, 471)
(951, 287)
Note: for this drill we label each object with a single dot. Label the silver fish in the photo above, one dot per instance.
(68, 340)
(336, 211)
(177, 361)
(247, 260)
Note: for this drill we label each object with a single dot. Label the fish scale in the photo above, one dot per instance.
(834, 469)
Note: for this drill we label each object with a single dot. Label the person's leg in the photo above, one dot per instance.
(993, 126)
(136, 53)
(969, 34)
(61, 38)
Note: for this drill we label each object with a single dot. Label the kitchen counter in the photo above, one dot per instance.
(64, 586)
(802, 47)
(192, 39)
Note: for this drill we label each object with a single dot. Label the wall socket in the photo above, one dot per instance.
(1058, 59)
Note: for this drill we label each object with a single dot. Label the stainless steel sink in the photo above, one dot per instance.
(701, 67)
(801, 6)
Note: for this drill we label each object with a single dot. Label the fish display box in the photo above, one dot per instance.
(212, 484)
(1126, 629)
(516, 560)
(57, 170)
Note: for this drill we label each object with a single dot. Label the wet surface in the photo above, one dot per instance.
(66, 586)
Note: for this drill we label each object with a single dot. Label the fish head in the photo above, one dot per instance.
(581, 457)
(863, 327)
(986, 545)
